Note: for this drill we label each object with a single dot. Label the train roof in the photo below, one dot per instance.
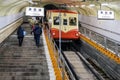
(63, 11)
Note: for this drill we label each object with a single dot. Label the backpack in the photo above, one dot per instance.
(38, 30)
(20, 32)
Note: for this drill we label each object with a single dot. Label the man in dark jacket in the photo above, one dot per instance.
(20, 33)
(37, 32)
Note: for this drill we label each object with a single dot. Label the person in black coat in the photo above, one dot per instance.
(20, 35)
(37, 32)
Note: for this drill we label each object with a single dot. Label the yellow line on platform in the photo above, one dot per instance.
(101, 49)
(57, 69)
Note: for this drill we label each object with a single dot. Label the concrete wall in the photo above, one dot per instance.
(9, 24)
(5, 32)
(108, 28)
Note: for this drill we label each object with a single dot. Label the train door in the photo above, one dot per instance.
(65, 24)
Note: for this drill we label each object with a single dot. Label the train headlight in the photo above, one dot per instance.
(77, 34)
(53, 33)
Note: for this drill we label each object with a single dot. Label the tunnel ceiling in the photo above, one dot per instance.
(8, 7)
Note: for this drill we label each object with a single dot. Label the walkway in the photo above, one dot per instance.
(23, 63)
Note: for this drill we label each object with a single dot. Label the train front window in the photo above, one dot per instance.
(56, 20)
(72, 21)
(64, 21)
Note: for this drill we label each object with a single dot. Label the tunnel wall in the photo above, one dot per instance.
(5, 32)
(9, 24)
(108, 28)
(6, 20)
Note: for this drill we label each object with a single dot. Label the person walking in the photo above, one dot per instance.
(20, 35)
(37, 32)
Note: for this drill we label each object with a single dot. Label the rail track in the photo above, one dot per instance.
(83, 69)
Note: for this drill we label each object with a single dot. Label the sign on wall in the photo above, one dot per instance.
(34, 11)
(103, 14)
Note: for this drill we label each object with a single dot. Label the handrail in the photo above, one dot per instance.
(62, 58)
(104, 30)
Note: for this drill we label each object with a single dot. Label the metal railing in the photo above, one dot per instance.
(61, 59)
(108, 65)
(104, 41)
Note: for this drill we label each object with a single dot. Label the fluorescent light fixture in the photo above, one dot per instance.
(82, 5)
(92, 5)
(76, 5)
(68, 6)
(31, 2)
(104, 4)
(72, 6)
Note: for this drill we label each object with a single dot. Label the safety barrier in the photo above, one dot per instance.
(60, 73)
(101, 49)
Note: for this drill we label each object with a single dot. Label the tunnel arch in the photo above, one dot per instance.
(49, 7)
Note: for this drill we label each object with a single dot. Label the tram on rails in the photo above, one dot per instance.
(64, 22)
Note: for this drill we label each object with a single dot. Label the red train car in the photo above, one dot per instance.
(64, 24)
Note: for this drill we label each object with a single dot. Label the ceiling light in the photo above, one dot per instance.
(68, 6)
(82, 5)
(104, 4)
(91, 5)
(72, 6)
(76, 5)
